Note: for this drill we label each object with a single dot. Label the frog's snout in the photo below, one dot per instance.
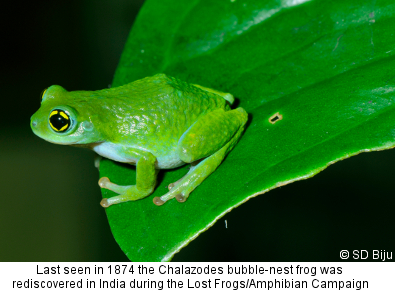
(33, 122)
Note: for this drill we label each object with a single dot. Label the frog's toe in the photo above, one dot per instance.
(104, 203)
(104, 182)
(172, 185)
(158, 201)
(181, 198)
(97, 161)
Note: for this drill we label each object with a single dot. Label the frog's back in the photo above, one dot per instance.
(159, 90)
(153, 113)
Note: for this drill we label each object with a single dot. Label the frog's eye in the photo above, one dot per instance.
(59, 120)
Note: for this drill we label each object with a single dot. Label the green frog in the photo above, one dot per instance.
(157, 122)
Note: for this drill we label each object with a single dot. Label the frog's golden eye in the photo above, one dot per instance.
(59, 120)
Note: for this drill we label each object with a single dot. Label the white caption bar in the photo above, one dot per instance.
(349, 276)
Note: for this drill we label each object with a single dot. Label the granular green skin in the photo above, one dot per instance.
(157, 122)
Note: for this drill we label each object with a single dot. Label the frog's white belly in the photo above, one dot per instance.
(111, 151)
(169, 161)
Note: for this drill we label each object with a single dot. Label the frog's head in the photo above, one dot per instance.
(61, 119)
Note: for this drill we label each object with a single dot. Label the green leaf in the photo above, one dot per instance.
(326, 66)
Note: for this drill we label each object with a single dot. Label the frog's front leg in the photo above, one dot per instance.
(208, 140)
(145, 180)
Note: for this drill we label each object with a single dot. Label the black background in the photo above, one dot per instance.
(49, 193)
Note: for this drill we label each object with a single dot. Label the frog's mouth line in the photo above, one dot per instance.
(60, 143)
(79, 143)
(53, 142)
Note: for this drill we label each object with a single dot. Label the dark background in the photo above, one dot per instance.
(49, 193)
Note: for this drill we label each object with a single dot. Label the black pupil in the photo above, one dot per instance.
(59, 122)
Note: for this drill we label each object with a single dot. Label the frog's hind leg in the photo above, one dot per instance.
(217, 133)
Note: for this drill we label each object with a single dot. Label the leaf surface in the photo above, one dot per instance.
(327, 67)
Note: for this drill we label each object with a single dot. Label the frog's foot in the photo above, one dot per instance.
(126, 193)
(193, 165)
(195, 176)
(159, 202)
(184, 186)
(97, 160)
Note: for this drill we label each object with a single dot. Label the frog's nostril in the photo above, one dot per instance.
(34, 123)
